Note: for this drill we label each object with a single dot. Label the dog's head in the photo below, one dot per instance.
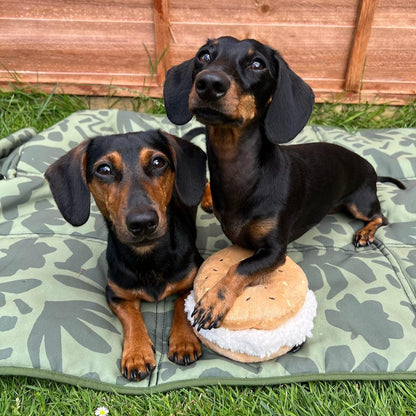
(133, 178)
(232, 82)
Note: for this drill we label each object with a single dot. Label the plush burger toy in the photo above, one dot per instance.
(267, 320)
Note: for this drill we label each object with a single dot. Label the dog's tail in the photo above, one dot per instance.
(392, 180)
(193, 133)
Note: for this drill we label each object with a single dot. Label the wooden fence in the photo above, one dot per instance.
(347, 50)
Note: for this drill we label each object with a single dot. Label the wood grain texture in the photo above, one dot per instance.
(109, 47)
(391, 56)
(79, 47)
(358, 53)
(80, 10)
(162, 38)
(264, 12)
(395, 14)
(310, 51)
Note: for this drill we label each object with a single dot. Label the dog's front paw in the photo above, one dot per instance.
(211, 309)
(184, 351)
(138, 362)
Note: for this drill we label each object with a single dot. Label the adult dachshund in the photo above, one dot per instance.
(264, 194)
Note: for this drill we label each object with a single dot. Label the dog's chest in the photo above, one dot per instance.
(248, 232)
(234, 230)
(237, 208)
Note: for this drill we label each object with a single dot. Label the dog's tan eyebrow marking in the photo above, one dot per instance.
(114, 158)
(146, 155)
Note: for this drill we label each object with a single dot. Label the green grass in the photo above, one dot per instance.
(29, 107)
(24, 107)
(364, 116)
(27, 396)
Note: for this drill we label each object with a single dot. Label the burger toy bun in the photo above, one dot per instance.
(267, 320)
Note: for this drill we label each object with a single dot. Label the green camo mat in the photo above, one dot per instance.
(55, 322)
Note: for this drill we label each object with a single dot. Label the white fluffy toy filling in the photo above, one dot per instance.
(258, 342)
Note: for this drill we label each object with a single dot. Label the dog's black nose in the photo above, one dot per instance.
(211, 86)
(143, 223)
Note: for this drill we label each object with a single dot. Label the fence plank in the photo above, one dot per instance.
(161, 22)
(356, 61)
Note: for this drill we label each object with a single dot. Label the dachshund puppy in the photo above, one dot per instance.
(147, 186)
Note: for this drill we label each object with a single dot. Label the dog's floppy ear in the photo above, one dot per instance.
(291, 104)
(190, 169)
(176, 90)
(66, 178)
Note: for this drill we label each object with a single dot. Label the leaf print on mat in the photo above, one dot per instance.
(38, 221)
(411, 270)
(5, 353)
(412, 310)
(7, 323)
(93, 123)
(81, 254)
(320, 267)
(12, 264)
(41, 157)
(405, 199)
(382, 159)
(297, 365)
(401, 232)
(18, 286)
(336, 266)
(23, 307)
(367, 319)
(331, 224)
(9, 204)
(70, 316)
(373, 362)
(339, 358)
(407, 362)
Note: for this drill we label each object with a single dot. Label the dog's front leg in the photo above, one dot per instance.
(138, 359)
(184, 346)
(206, 203)
(213, 306)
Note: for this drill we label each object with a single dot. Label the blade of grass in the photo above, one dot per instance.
(45, 104)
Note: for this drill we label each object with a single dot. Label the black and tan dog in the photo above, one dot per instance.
(265, 195)
(147, 186)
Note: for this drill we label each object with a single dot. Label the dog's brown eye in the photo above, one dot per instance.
(158, 162)
(104, 169)
(204, 57)
(257, 64)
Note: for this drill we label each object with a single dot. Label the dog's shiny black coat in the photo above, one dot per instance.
(265, 194)
(147, 185)
(174, 251)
